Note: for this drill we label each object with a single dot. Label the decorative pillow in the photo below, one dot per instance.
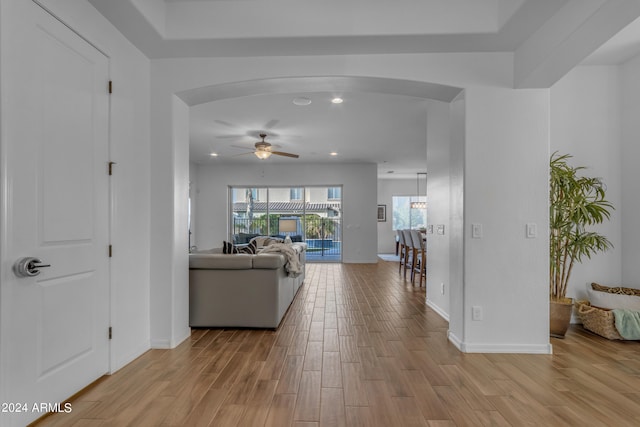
(259, 241)
(612, 301)
(230, 248)
(262, 241)
(617, 290)
(249, 249)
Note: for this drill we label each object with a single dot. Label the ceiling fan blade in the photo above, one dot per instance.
(280, 153)
(236, 136)
(242, 154)
(225, 123)
(271, 123)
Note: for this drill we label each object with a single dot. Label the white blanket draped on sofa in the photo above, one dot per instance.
(293, 265)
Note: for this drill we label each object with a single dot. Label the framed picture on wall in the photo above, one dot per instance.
(382, 213)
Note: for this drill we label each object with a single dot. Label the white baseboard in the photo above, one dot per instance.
(437, 309)
(161, 344)
(455, 341)
(500, 348)
(168, 343)
(185, 334)
(130, 357)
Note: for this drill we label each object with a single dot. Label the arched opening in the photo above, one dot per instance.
(442, 95)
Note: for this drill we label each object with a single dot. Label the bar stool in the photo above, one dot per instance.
(408, 255)
(420, 258)
(402, 248)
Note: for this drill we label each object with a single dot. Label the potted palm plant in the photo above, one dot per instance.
(576, 202)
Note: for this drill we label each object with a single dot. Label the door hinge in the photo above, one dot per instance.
(111, 167)
(110, 332)
(110, 251)
(110, 86)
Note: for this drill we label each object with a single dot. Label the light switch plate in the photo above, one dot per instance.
(532, 230)
(476, 231)
(440, 229)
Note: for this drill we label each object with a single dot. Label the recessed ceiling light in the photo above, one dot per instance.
(333, 153)
(301, 100)
(337, 100)
(214, 154)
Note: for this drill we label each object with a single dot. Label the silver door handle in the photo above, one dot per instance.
(28, 267)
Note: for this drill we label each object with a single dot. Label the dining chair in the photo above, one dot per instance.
(402, 247)
(409, 250)
(419, 265)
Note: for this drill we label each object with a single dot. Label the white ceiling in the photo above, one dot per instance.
(389, 130)
(386, 129)
(187, 28)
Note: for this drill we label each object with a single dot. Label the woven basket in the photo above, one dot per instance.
(598, 320)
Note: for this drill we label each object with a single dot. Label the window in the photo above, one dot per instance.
(260, 211)
(403, 216)
(295, 194)
(334, 193)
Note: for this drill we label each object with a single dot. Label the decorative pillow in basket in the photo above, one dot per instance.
(613, 313)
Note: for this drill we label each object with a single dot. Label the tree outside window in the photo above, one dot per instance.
(404, 217)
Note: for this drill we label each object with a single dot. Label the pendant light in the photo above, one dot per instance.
(418, 204)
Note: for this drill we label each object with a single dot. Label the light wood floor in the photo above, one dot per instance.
(359, 347)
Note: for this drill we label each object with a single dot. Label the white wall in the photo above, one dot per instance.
(178, 306)
(193, 195)
(359, 200)
(169, 233)
(629, 211)
(129, 148)
(438, 205)
(456, 219)
(585, 123)
(387, 188)
(506, 187)
(506, 150)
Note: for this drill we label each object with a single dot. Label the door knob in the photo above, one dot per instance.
(28, 267)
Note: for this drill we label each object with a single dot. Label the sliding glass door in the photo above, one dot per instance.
(305, 214)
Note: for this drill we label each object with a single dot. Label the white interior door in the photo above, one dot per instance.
(55, 131)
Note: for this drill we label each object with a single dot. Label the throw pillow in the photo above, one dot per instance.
(228, 248)
(612, 301)
(249, 249)
(617, 290)
(259, 241)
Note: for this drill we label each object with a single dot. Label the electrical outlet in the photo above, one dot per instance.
(476, 312)
(441, 288)
(476, 231)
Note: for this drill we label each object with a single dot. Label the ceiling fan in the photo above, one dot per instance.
(263, 150)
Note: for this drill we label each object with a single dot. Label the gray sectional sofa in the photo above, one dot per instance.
(241, 290)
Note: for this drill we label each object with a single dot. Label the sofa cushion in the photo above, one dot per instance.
(222, 262)
(268, 261)
(208, 251)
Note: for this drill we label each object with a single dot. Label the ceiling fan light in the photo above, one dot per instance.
(262, 154)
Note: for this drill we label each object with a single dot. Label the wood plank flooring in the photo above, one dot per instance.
(359, 347)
